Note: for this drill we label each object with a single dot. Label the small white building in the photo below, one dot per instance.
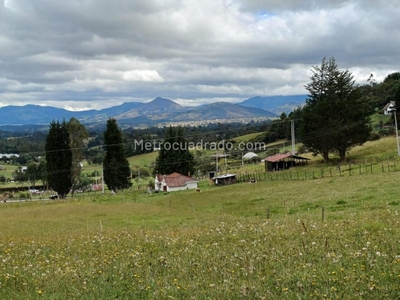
(389, 108)
(174, 182)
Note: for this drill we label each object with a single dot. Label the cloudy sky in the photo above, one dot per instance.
(82, 54)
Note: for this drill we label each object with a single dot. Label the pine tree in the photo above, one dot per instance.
(175, 155)
(334, 118)
(58, 159)
(78, 134)
(115, 164)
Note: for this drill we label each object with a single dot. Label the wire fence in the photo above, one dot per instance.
(309, 173)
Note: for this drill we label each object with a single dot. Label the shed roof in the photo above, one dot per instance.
(278, 157)
(224, 176)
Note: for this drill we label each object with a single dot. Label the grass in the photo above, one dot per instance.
(247, 137)
(143, 159)
(260, 241)
(328, 238)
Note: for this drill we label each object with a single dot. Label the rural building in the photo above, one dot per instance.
(226, 179)
(280, 162)
(174, 182)
(8, 155)
(250, 156)
(391, 106)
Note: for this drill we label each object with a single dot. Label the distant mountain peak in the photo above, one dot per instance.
(163, 101)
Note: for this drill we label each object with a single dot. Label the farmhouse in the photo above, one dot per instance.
(174, 182)
(280, 162)
(224, 179)
(391, 106)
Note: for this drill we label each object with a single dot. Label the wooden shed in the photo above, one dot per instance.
(226, 179)
(281, 162)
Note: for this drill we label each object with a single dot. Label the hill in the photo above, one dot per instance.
(275, 104)
(130, 113)
(222, 110)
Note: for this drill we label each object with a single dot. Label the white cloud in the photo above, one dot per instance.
(142, 75)
(95, 53)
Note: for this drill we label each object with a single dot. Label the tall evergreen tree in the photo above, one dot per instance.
(175, 155)
(334, 118)
(116, 166)
(77, 134)
(59, 158)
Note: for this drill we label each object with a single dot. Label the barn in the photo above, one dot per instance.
(279, 162)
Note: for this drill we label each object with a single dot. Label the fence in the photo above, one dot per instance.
(308, 173)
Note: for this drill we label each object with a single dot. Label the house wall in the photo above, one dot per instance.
(177, 188)
(191, 185)
(388, 110)
(158, 185)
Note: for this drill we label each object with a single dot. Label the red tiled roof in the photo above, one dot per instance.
(278, 157)
(175, 179)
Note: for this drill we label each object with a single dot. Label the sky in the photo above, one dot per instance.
(93, 54)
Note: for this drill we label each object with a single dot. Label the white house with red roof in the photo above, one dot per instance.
(174, 182)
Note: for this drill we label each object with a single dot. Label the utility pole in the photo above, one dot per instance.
(102, 178)
(293, 138)
(138, 170)
(397, 132)
(216, 162)
(226, 166)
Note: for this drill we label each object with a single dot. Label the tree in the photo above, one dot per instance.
(20, 176)
(116, 166)
(32, 173)
(77, 135)
(174, 155)
(59, 158)
(334, 117)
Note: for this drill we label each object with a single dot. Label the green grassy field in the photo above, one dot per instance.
(330, 238)
(247, 137)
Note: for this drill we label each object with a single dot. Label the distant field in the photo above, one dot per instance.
(143, 159)
(247, 137)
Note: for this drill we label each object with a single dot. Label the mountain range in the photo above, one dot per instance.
(159, 110)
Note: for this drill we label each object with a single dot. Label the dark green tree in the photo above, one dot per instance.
(78, 135)
(59, 158)
(175, 155)
(41, 172)
(32, 173)
(116, 166)
(334, 117)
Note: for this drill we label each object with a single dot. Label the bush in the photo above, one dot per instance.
(374, 136)
(24, 195)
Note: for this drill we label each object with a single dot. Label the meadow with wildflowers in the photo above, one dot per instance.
(330, 238)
